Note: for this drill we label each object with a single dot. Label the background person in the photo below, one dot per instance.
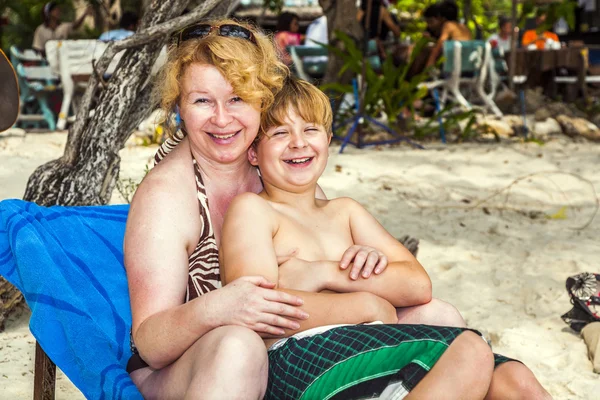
(443, 18)
(127, 27)
(380, 24)
(287, 34)
(52, 28)
(540, 35)
(503, 37)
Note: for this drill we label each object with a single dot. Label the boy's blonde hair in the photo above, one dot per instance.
(253, 70)
(308, 101)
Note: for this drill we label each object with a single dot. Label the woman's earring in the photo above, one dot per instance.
(178, 119)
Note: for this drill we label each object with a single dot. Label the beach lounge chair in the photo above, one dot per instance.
(68, 263)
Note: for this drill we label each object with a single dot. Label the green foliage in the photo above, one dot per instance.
(389, 91)
(484, 14)
(450, 118)
(273, 5)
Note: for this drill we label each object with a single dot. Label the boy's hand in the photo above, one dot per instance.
(365, 259)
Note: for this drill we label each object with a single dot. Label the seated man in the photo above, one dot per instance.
(291, 153)
(502, 39)
(443, 19)
(539, 36)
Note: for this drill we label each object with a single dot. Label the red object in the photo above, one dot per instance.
(494, 43)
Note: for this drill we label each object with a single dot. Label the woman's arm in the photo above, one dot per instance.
(155, 247)
(247, 249)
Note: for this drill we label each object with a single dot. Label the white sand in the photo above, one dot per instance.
(504, 270)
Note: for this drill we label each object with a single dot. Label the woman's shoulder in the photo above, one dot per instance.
(169, 183)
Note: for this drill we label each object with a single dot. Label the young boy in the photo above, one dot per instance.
(355, 361)
(291, 154)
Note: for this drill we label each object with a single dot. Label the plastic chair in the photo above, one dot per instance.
(310, 62)
(465, 63)
(36, 82)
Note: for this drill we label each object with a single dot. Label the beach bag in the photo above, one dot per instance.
(584, 290)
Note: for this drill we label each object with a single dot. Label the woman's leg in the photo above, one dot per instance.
(228, 362)
(436, 312)
(464, 371)
(513, 381)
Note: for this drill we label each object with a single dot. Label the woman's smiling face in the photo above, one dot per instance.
(220, 125)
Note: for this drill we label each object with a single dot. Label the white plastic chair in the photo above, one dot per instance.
(466, 63)
(74, 59)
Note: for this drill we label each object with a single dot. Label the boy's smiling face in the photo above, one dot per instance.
(292, 156)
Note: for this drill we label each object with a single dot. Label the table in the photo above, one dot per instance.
(540, 66)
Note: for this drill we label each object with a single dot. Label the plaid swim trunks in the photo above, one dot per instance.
(358, 361)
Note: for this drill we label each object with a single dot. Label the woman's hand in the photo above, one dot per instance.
(251, 302)
(365, 259)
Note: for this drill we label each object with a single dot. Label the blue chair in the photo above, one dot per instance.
(309, 62)
(36, 82)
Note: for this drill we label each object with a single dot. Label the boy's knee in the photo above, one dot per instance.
(476, 353)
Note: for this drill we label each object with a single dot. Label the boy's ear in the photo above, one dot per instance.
(252, 156)
(329, 138)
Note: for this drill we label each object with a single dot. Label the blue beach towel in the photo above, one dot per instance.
(68, 263)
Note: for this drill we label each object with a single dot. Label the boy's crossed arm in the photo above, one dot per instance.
(404, 283)
(247, 249)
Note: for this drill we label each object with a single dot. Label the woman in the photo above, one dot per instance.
(287, 29)
(193, 338)
(53, 28)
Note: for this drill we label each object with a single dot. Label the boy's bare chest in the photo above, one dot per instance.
(322, 236)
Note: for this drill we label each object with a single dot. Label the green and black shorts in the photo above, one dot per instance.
(358, 362)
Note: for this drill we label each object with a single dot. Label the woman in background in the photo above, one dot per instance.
(287, 34)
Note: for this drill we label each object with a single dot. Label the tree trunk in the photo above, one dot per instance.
(10, 297)
(341, 16)
(86, 173)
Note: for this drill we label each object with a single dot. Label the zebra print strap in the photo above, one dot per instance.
(168, 145)
(204, 274)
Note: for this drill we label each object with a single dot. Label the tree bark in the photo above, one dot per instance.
(86, 173)
(341, 16)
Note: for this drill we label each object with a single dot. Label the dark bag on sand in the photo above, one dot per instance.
(584, 290)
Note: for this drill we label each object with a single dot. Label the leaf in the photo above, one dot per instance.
(560, 214)
(337, 87)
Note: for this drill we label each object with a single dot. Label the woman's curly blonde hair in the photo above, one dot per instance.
(254, 71)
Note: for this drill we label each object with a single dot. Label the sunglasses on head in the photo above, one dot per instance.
(203, 30)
